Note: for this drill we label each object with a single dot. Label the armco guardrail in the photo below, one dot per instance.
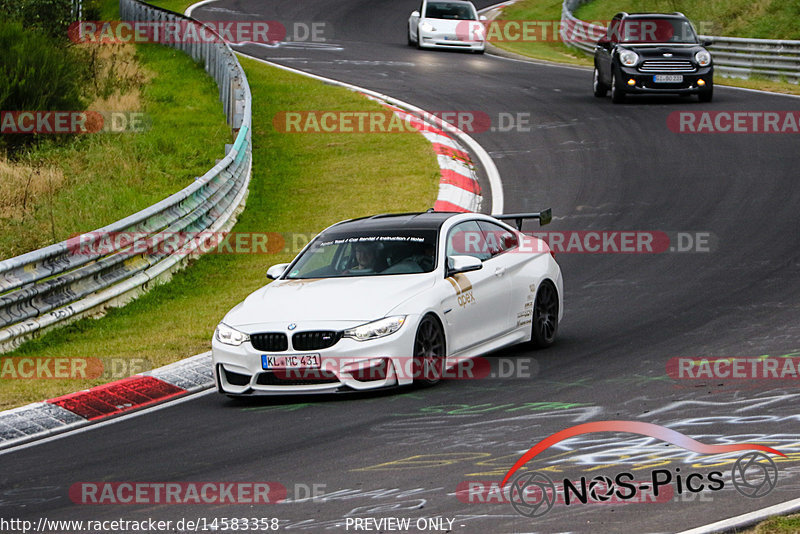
(110, 266)
(577, 33)
(743, 58)
(733, 56)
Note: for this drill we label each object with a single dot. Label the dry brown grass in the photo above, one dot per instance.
(29, 184)
(117, 101)
(118, 75)
(24, 185)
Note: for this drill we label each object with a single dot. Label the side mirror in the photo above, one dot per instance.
(276, 271)
(415, 14)
(708, 42)
(462, 264)
(482, 18)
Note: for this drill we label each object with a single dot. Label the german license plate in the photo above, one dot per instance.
(668, 78)
(290, 361)
(451, 38)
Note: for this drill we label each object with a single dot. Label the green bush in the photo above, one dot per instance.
(52, 17)
(37, 73)
(93, 9)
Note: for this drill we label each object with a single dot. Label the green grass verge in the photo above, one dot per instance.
(178, 6)
(104, 177)
(757, 19)
(109, 10)
(763, 19)
(300, 183)
(777, 525)
(549, 50)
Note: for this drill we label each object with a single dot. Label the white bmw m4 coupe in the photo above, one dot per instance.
(390, 300)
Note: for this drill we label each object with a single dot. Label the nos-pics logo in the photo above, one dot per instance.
(533, 493)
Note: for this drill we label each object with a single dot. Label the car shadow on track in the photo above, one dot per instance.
(651, 100)
(269, 400)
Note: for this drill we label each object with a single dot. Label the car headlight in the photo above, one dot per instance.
(230, 336)
(703, 58)
(628, 58)
(375, 329)
(427, 26)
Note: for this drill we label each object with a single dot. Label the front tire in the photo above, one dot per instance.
(617, 94)
(545, 315)
(706, 96)
(410, 41)
(598, 87)
(429, 352)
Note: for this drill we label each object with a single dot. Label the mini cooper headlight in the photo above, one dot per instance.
(629, 58)
(375, 329)
(703, 58)
(230, 336)
(426, 26)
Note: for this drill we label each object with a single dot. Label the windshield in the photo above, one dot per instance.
(651, 30)
(449, 10)
(335, 254)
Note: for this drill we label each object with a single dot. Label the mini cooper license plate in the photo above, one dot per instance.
(290, 361)
(668, 78)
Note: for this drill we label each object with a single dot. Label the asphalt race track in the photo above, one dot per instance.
(601, 167)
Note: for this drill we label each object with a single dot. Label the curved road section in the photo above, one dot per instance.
(721, 279)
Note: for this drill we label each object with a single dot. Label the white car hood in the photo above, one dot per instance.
(361, 298)
(450, 26)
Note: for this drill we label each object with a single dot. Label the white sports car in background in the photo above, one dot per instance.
(390, 300)
(453, 24)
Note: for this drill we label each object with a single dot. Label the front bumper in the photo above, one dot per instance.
(646, 84)
(447, 40)
(349, 365)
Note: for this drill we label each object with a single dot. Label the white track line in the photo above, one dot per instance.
(192, 7)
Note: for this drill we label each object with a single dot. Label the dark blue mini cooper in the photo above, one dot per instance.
(652, 53)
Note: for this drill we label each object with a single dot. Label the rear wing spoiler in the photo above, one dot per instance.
(544, 216)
